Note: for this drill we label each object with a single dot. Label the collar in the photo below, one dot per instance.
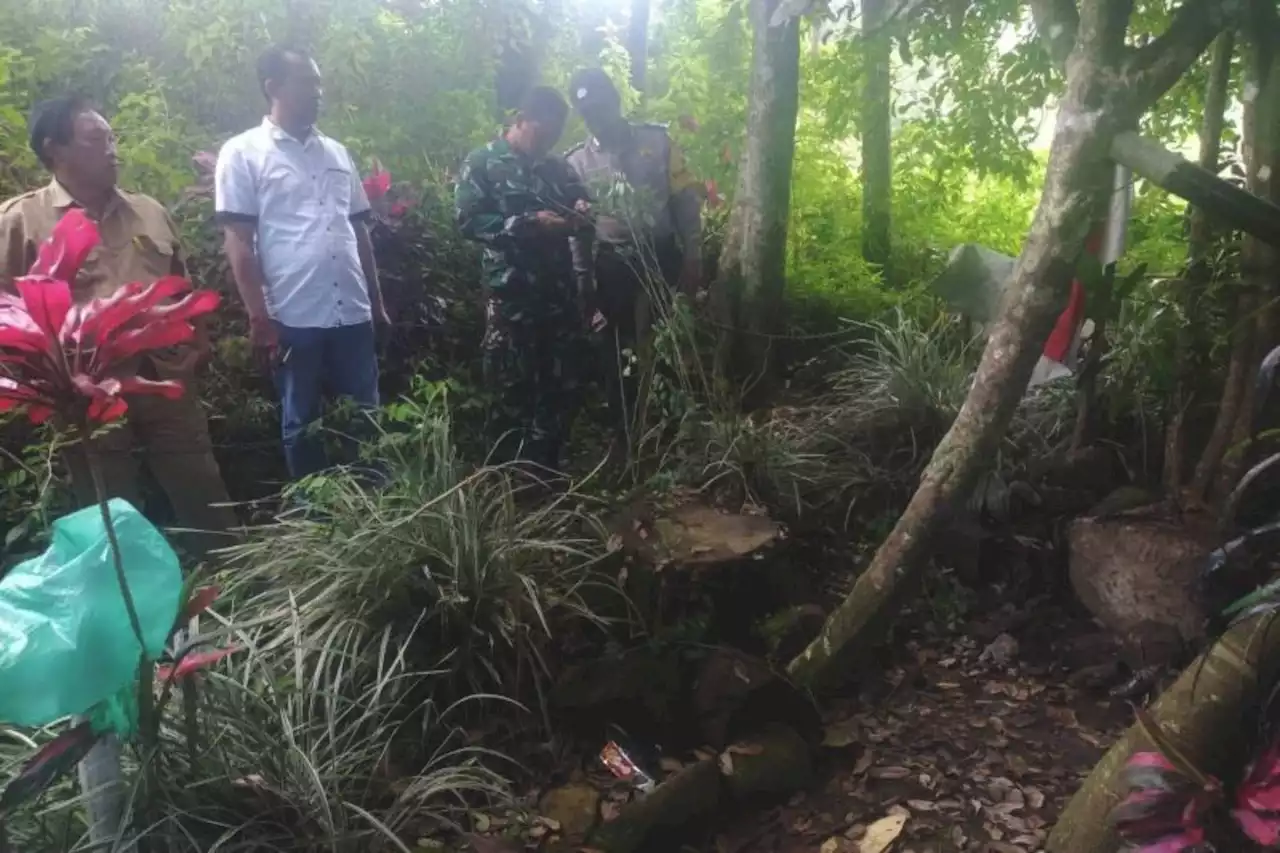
(59, 196)
(503, 148)
(279, 134)
(61, 199)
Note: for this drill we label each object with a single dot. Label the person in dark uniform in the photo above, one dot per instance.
(648, 213)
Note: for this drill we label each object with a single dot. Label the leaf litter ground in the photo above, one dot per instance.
(973, 740)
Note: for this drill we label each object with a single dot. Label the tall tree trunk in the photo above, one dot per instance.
(753, 262)
(1234, 390)
(1108, 87)
(1204, 713)
(1259, 260)
(1199, 272)
(1252, 331)
(638, 43)
(877, 149)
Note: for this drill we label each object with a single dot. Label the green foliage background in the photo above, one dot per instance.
(415, 83)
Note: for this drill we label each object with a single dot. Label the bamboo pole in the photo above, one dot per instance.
(1205, 714)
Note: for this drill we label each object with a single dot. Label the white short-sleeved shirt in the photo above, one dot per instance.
(303, 196)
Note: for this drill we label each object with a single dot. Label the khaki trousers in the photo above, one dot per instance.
(172, 437)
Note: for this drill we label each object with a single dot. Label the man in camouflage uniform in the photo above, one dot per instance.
(648, 219)
(525, 208)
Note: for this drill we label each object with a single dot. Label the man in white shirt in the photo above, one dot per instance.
(295, 218)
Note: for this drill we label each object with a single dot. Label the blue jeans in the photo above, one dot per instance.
(341, 361)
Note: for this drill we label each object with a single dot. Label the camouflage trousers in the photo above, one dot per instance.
(534, 354)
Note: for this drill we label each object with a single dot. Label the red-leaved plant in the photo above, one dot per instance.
(1168, 811)
(1257, 803)
(387, 202)
(76, 364)
(65, 359)
(1165, 810)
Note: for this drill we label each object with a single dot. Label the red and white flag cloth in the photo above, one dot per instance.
(1106, 243)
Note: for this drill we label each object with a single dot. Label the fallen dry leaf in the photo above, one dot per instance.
(831, 845)
(890, 773)
(881, 834)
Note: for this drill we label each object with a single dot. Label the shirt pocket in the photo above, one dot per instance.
(154, 257)
(285, 186)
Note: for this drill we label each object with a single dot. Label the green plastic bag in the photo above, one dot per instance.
(66, 644)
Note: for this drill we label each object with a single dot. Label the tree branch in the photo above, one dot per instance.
(1154, 69)
(1057, 22)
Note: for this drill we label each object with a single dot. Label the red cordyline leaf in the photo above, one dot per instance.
(53, 760)
(61, 256)
(169, 389)
(65, 358)
(713, 194)
(18, 332)
(378, 184)
(1164, 810)
(200, 601)
(102, 317)
(14, 395)
(399, 209)
(191, 664)
(48, 302)
(1257, 808)
(131, 342)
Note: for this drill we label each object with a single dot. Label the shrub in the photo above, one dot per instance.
(447, 559)
(332, 745)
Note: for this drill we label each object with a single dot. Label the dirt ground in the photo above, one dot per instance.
(968, 744)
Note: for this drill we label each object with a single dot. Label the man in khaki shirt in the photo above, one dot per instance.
(138, 243)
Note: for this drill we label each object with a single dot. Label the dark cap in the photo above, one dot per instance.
(591, 87)
(543, 104)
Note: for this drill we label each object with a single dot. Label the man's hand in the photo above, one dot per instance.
(265, 340)
(592, 319)
(381, 327)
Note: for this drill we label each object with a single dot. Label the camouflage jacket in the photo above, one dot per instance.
(499, 193)
(642, 190)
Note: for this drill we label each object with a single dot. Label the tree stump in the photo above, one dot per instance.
(1138, 574)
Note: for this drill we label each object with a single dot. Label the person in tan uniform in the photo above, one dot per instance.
(139, 242)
